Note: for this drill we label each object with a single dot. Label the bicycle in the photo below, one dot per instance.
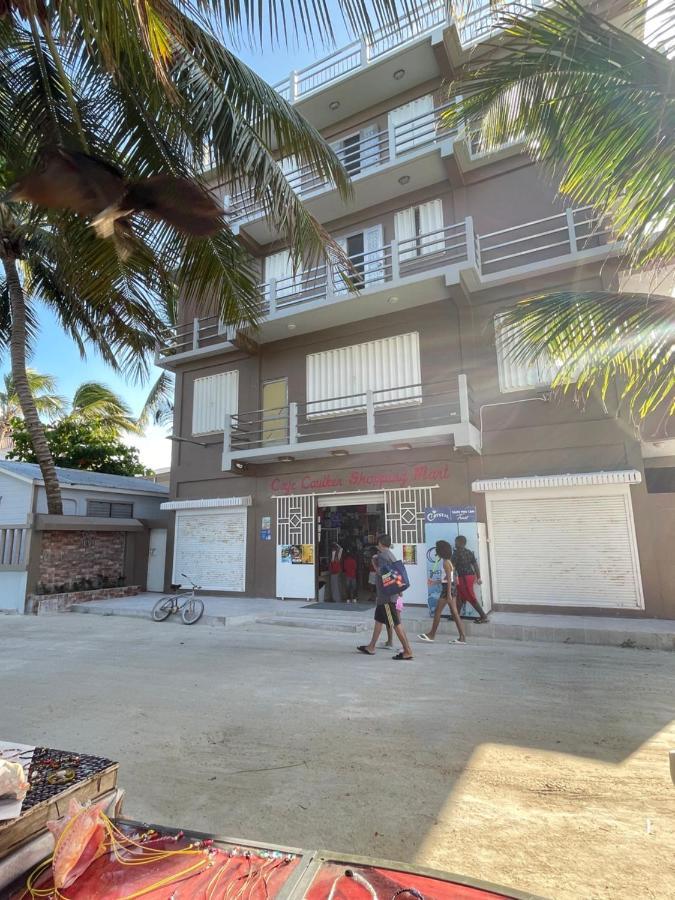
(191, 610)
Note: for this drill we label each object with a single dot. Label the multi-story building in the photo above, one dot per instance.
(354, 412)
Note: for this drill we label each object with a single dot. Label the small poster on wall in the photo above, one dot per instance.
(298, 554)
(266, 528)
(410, 554)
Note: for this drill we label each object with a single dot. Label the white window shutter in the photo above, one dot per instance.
(404, 227)
(390, 366)
(373, 259)
(340, 289)
(412, 124)
(515, 375)
(215, 398)
(370, 149)
(431, 227)
(280, 267)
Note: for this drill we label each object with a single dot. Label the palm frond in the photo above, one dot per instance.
(597, 337)
(95, 401)
(593, 102)
(159, 404)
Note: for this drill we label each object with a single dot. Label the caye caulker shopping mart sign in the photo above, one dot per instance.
(360, 479)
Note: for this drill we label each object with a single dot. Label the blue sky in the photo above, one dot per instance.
(57, 355)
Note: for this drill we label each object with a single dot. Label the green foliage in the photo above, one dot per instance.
(77, 444)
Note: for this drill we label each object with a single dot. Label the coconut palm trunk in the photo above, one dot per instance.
(17, 346)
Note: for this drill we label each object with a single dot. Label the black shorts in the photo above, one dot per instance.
(387, 614)
(444, 591)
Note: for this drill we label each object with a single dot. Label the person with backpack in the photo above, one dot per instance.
(387, 610)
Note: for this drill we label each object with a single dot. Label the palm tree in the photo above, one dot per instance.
(43, 389)
(152, 89)
(596, 105)
(94, 401)
(159, 404)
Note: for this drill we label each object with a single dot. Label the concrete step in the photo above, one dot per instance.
(318, 623)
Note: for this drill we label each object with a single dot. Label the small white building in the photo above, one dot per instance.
(94, 502)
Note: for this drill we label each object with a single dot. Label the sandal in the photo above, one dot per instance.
(401, 656)
(457, 641)
(425, 637)
(364, 649)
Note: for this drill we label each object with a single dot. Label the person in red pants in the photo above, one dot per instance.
(467, 574)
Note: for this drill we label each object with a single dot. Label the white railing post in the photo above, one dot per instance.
(293, 86)
(472, 257)
(370, 413)
(463, 398)
(272, 295)
(365, 52)
(226, 462)
(195, 334)
(395, 261)
(571, 228)
(292, 423)
(330, 285)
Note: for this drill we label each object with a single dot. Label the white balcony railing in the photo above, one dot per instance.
(430, 406)
(475, 24)
(362, 53)
(13, 546)
(508, 254)
(365, 153)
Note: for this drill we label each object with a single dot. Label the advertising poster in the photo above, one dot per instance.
(410, 554)
(444, 523)
(266, 528)
(297, 554)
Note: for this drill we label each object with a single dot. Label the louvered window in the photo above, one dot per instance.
(516, 374)
(338, 379)
(106, 510)
(215, 399)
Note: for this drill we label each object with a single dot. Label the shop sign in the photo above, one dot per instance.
(450, 514)
(361, 479)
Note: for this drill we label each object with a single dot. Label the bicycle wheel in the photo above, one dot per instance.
(192, 611)
(163, 608)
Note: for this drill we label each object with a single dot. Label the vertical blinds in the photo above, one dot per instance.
(338, 379)
(515, 374)
(215, 399)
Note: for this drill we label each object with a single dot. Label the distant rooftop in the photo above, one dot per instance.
(99, 480)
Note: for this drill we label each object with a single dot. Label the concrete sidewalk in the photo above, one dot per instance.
(651, 634)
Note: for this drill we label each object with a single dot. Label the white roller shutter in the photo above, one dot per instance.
(573, 550)
(215, 399)
(390, 365)
(210, 548)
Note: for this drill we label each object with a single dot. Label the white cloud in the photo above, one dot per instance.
(153, 447)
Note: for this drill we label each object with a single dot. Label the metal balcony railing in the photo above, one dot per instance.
(363, 153)
(504, 253)
(366, 413)
(481, 22)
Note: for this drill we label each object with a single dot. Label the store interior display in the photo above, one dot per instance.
(355, 529)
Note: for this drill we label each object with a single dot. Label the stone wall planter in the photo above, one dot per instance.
(42, 604)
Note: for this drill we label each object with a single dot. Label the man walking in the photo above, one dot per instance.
(386, 612)
(467, 574)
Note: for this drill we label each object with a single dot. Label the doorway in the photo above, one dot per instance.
(354, 524)
(156, 558)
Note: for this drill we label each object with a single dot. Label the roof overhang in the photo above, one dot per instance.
(213, 503)
(580, 479)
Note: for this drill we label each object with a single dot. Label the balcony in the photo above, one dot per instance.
(478, 24)
(375, 159)
(430, 414)
(412, 273)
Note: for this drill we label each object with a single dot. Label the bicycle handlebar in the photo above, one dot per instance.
(197, 587)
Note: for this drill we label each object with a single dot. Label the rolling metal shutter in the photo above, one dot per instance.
(391, 363)
(215, 398)
(564, 551)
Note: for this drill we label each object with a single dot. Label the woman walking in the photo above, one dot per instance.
(447, 598)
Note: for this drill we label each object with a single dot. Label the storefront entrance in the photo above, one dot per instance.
(354, 526)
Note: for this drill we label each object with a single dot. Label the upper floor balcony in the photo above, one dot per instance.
(394, 418)
(409, 273)
(381, 157)
(409, 43)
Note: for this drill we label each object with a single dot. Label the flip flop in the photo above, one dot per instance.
(461, 643)
(364, 649)
(401, 656)
(425, 637)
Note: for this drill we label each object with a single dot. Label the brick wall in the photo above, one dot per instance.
(71, 556)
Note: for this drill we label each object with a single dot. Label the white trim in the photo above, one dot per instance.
(627, 476)
(207, 504)
(328, 494)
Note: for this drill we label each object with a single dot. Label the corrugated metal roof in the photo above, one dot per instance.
(99, 480)
(626, 476)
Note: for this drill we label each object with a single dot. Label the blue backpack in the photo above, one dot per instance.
(395, 579)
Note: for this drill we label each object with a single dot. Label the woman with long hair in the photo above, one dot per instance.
(447, 598)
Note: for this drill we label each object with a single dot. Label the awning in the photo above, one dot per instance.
(212, 503)
(580, 479)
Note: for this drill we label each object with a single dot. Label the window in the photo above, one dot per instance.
(365, 250)
(516, 375)
(420, 230)
(412, 124)
(215, 399)
(279, 266)
(359, 151)
(338, 379)
(105, 509)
